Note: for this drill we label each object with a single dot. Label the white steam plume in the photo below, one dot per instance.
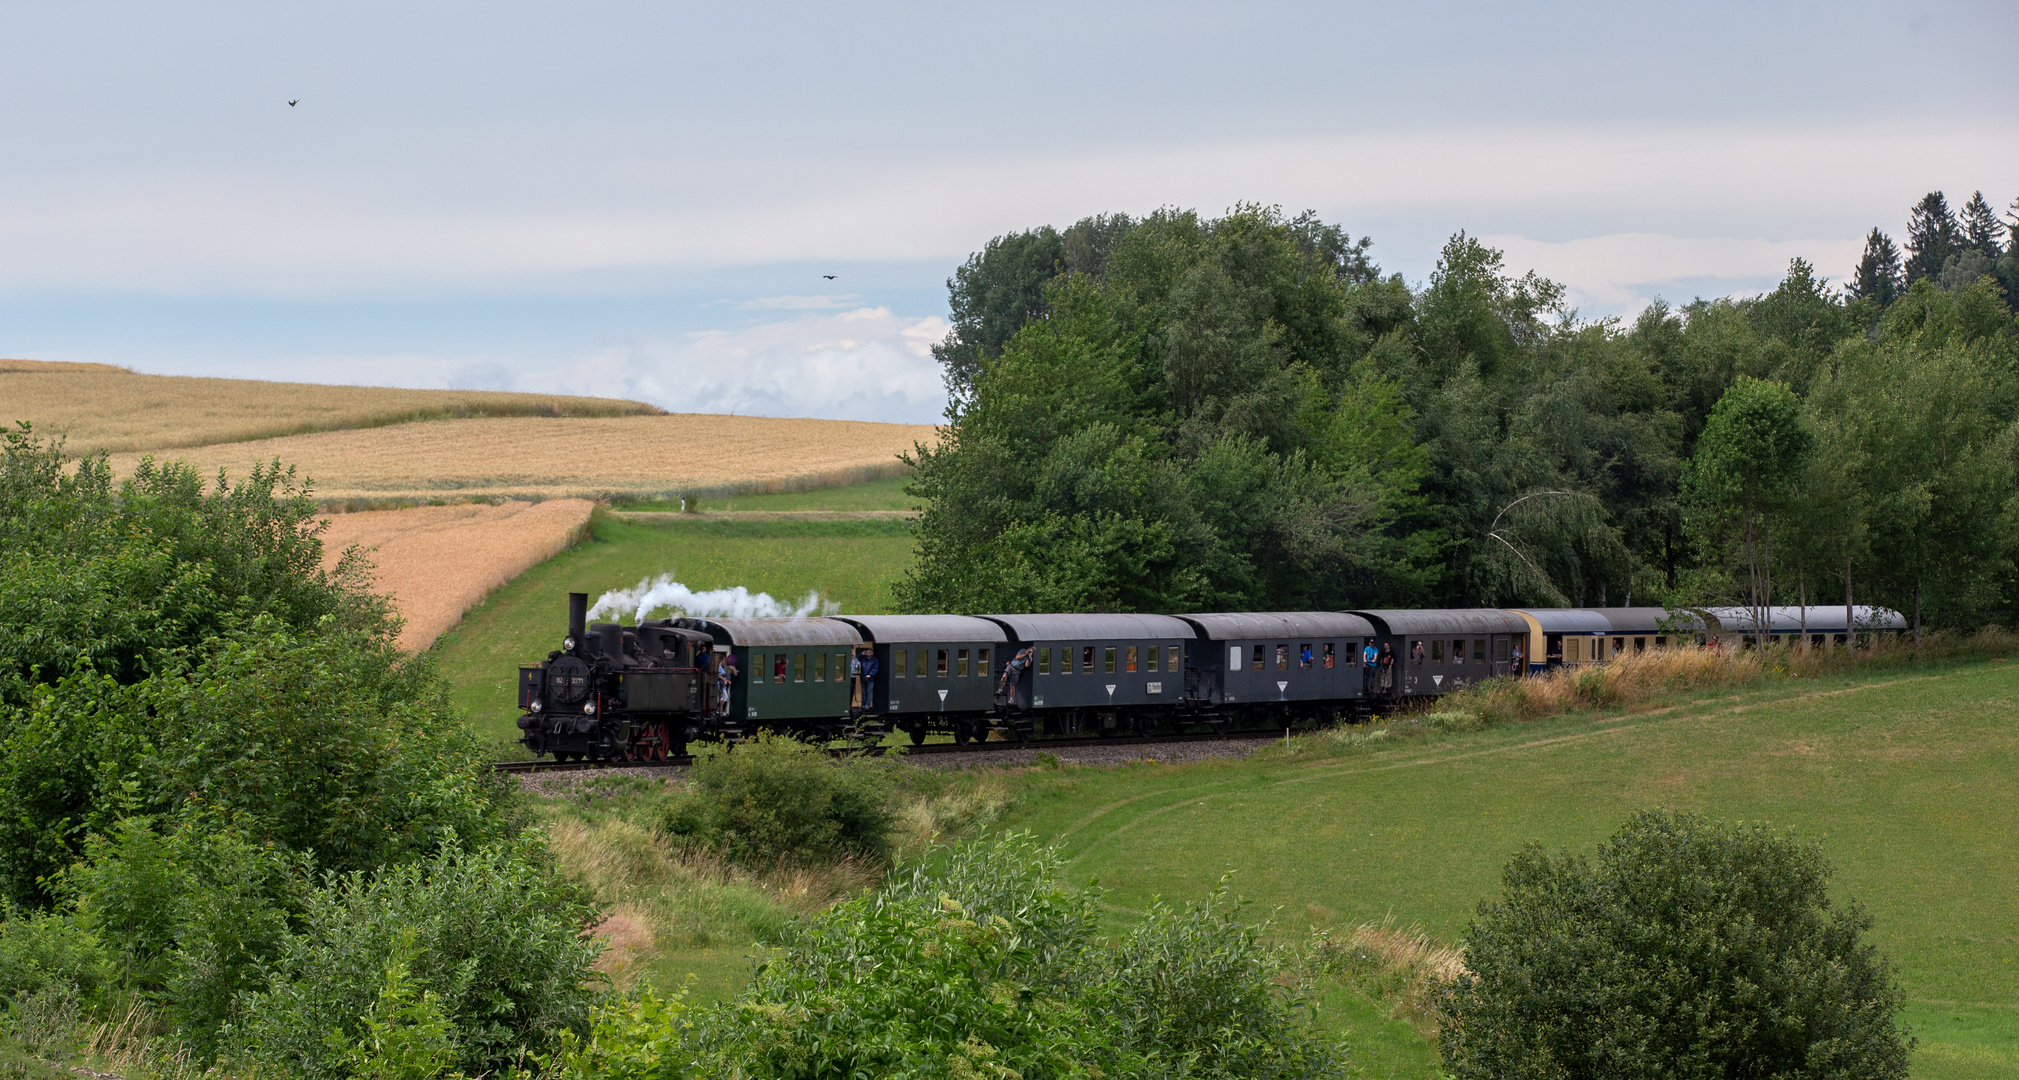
(652, 594)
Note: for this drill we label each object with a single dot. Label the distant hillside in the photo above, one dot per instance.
(102, 407)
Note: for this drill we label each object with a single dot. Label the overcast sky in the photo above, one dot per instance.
(641, 199)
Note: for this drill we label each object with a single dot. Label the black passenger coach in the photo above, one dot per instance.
(642, 692)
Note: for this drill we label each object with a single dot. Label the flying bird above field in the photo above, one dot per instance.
(829, 277)
(293, 103)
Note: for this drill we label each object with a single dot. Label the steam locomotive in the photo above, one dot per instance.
(644, 692)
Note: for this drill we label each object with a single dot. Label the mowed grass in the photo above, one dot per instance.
(885, 494)
(851, 563)
(1909, 778)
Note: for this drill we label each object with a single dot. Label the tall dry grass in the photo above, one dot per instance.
(661, 894)
(437, 562)
(101, 407)
(1402, 966)
(641, 458)
(1637, 678)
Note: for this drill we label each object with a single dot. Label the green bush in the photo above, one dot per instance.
(984, 964)
(1691, 949)
(492, 934)
(332, 743)
(47, 951)
(774, 799)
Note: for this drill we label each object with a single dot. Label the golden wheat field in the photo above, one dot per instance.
(437, 562)
(101, 407)
(551, 458)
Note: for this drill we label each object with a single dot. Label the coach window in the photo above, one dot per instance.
(939, 667)
(1479, 650)
(1437, 651)
(1235, 654)
(1458, 651)
(897, 662)
(1108, 660)
(757, 666)
(1618, 645)
(981, 664)
(1416, 651)
(778, 667)
(1171, 659)
(1640, 644)
(1261, 656)
(1149, 658)
(820, 667)
(1129, 658)
(960, 666)
(1329, 655)
(798, 667)
(1282, 657)
(1045, 660)
(1087, 660)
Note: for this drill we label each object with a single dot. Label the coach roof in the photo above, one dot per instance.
(1454, 621)
(1280, 625)
(1567, 620)
(924, 628)
(817, 631)
(1094, 627)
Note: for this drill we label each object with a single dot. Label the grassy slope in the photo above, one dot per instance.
(853, 563)
(885, 494)
(1908, 778)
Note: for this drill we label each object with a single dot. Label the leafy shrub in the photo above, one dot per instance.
(191, 915)
(50, 951)
(984, 964)
(638, 1036)
(1690, 949)
(774, 799)
(332, 743)
(114, 576)
(492, 934)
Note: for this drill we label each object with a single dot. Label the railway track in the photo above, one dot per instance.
(993, 746)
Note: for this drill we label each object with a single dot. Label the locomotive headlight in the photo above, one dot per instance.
(568, 644)
(536, 705)
(588, 708)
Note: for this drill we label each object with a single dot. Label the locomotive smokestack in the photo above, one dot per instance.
(578, 614)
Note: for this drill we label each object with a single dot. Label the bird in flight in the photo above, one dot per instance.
(293, 103)
(829, 277)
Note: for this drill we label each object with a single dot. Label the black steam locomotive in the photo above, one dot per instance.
(613, 692)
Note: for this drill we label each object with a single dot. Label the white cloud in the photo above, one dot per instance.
(1623, 272)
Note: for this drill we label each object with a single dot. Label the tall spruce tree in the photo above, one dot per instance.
(1878, 274)
(1982, 231)
(1932, 236)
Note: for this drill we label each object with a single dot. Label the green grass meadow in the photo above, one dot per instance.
(1908, 776)
(852, 563)
(887, 494)
(1909, 779)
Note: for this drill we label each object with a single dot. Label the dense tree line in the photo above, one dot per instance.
(1245, 413)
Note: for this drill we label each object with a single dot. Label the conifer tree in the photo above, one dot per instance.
(1878, 274)
(1932, 236)
(1982, 231)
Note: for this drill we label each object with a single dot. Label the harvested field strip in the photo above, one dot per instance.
(100, 407)
(543, 458)
(439, 561)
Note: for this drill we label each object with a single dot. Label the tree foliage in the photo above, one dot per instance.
(1687, 948)
(1242, 413)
